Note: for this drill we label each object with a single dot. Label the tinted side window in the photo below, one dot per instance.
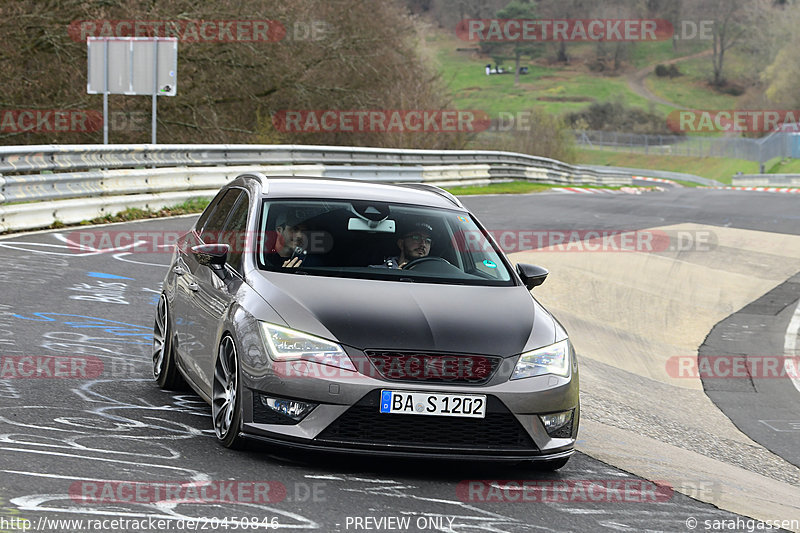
(201, 222)
(234, 234)
(215, 223)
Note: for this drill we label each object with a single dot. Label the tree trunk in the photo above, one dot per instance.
(561, 55)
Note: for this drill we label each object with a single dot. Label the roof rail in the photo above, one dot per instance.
(434, 189)
(260, 176)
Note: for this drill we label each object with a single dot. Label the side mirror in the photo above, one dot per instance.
(211, 255)
(532, 275)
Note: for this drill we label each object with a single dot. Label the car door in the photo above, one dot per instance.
(184, 285)
(192, 334)
(211, 295)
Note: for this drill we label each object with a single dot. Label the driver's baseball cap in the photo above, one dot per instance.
(419, 227)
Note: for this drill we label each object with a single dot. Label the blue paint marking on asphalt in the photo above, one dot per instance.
(106, 276)
(112, 327)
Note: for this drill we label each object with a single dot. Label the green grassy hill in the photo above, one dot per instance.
(559, 89)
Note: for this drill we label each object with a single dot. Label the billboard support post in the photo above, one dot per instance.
(155, 91)
(132, 66)
(105, 92)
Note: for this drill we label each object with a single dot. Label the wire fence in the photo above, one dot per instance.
(777, 144)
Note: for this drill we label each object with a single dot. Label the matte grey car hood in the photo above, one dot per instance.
(370, 314)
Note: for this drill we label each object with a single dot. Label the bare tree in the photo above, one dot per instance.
(228, 90)
(564, 9)
(729, 27)
(782, 75)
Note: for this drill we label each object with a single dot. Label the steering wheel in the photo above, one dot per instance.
(427, 259)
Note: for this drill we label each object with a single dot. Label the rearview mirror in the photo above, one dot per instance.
(531, 275)
(380, 226)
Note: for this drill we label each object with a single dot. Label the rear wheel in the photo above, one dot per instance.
(226, 398)
(165, 370)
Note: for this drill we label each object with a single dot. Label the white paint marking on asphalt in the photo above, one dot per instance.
(57, 476)
(76, 249)
(790, 349)
(197, 477)
(121, 257)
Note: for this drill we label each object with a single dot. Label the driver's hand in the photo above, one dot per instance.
(292, 263)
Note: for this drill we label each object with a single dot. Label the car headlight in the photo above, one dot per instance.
(553, 359)
(284, 344)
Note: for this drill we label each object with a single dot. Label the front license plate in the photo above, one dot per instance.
(435, 404)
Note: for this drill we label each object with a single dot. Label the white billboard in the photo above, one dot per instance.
(136, 65)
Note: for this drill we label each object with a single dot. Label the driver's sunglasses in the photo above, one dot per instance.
(416, 237)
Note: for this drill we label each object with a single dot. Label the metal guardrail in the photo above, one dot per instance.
(17, 159)
(766, 180)
(40, 185)
(679, 176)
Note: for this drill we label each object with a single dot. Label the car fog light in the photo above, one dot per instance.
(294, 409)
(558, 425)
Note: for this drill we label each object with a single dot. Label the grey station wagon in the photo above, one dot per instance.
(364, 318)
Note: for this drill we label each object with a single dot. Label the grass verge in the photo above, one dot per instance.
(784, 166)
(195, 205)
(715, 168)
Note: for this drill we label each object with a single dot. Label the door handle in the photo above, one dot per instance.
(179, 270)
(194, 287)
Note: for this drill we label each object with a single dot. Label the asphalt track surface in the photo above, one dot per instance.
(59, 436)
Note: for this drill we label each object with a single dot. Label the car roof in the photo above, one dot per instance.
(412, 193)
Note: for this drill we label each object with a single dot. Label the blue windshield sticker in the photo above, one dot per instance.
(463, 219)
(490, 264)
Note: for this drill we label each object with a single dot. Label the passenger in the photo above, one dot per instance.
(291, 241)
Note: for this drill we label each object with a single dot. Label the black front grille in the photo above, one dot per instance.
(363, 425)
(414, 367)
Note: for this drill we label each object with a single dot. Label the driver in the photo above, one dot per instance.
(414, 244)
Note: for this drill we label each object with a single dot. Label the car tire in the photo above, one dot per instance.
(226, 400)
(165, 370)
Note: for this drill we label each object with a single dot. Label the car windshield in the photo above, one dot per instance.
(377, 240)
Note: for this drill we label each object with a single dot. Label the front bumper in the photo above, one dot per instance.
(363, 428)
(347, 417)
